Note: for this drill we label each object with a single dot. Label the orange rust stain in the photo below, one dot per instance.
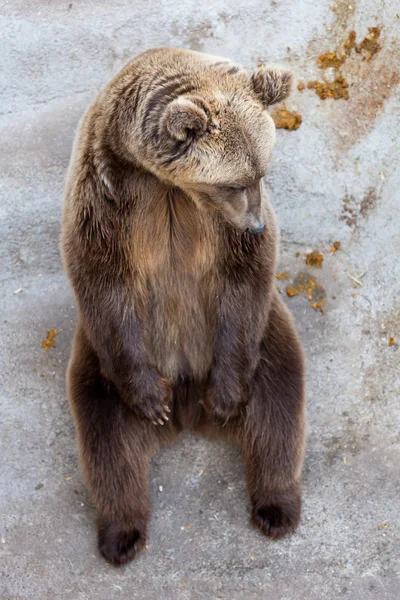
(336, 246)
(282, 276)
(50, 340)
(370, 44)
(336, 89)
(291, 291)
(314, 259)
(286, 119)
(391, 341)
(318, 305)
(330, 59)
(350, 42)
(306, 284)
(301, 86)
(309, 286)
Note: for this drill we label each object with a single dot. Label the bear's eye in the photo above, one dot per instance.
(237, 189)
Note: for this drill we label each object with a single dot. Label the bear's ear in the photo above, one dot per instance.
(183, 118)
(271, 85)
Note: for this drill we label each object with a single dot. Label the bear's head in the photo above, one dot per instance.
(201, 123)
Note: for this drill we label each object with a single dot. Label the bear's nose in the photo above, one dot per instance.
(258, 229)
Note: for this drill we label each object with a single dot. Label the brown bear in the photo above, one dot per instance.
(170, 244)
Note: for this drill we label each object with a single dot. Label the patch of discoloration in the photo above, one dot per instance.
(350, 210)
(350, 42)
(335, 247)
(349, 443)
(368, 47)
(368, 203)
(330, 59)
(291, 291)
(193, 37)
(307, 285)
(343, 11)
(353, 209)
(336, 89)
(286, 119)
(282, 276)
(370, 44)
(318, 305)
(50, 340)
(371, 86)
(314, 259)
(388, 323)
(375, 386)
(366, 74)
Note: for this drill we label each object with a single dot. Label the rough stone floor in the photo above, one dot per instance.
(335, 178)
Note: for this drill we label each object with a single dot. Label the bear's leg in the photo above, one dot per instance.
(274, 429)
(116, 446)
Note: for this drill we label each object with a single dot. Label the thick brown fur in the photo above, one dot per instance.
(170, 244)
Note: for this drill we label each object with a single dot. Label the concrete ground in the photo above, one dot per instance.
(336, 178)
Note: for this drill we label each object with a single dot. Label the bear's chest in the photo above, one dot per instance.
(180, 323)
(176, 265)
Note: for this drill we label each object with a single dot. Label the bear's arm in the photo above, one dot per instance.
(96, 264)
(236, 351)
(115, 334)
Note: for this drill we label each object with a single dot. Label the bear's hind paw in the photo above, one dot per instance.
(278, 517)
(120, 545)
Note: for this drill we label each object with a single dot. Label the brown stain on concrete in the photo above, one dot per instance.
(343, 11)
(354, 209)
(308, 285)
(368, 203)
(286, 119)
(336, 89)
(194, 36)
(335, 60)
(364, 73)
(378, 381)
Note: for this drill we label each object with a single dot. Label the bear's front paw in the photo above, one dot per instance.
(279, 515)
(155, 407)
(152, 397)
(119, 544)
(224, 402)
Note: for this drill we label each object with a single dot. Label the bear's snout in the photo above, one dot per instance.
(258, 229)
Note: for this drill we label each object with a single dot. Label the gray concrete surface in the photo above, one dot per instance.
(335, 178)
